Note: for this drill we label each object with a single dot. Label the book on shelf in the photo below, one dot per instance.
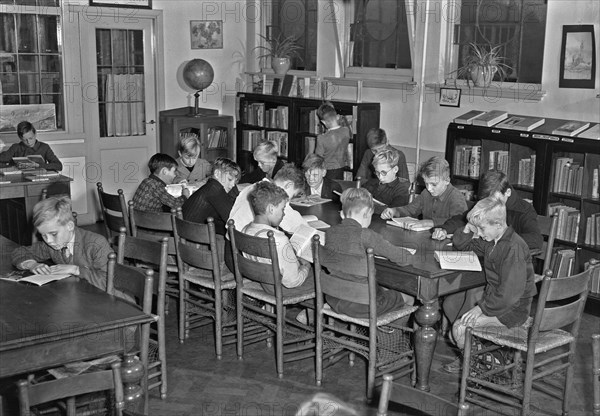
(408, 223)
(301, 241)
(26, 276)
(522, 123)
(314, 222)
(591, 133)
(559, 163)
(217, 137)
(310, 143)
(567, 228)
(571, 128)
(286, 85)
(594, 279)
(28, 162)
(458, 260)
(348, 176)
(562, 263)
(592, 230)
(595, 184)
(498, 160)
(309, 200)
(526, 174)
(281, 138)
(276, 87)
(468, 117)
(490, 118)
(467, 160)
(251, 138)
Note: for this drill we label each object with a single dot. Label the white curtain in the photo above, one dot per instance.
(124, 105)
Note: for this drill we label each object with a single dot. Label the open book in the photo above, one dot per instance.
(405, 223)
(458, 260)
(176, 189)
(302, 241)
(309, 201)
(37, 279)
(29, 162)
(314, 222)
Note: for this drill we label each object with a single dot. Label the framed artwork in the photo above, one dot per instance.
(206, 34)
(450, 97)
(137, 4)
(578, 57)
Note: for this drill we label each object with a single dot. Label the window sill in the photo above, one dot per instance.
(512, 91)
(359, 84)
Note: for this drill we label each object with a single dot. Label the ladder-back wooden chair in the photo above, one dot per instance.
(114, 212)
(548, 228)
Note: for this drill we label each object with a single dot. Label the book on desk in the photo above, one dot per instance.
(408, 223)
(458, 260)
(26, 276)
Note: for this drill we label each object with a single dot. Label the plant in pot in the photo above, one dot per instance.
(281, 50)
(482, 64)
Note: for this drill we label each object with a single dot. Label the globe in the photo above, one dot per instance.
(198, 74)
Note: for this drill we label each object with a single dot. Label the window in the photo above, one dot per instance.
(297, 18)
(31, 60)
(518, 26)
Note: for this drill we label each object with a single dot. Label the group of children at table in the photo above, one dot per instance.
(263, 206)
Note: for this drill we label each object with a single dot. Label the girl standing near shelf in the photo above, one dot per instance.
(190, 167)
(333, 144)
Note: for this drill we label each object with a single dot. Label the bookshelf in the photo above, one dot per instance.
(293, 123)
(553, 172)
(214, 131)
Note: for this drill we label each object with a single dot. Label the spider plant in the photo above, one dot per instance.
(279, 47)
(482, 63)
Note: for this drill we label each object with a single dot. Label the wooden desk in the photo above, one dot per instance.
(17, 199)
(420, 277)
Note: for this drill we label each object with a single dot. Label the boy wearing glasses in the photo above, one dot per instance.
(190, 168)
(316, 182)
(387, 188)
(440, 205)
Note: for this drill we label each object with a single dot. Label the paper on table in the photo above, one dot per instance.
(309, 201)
(458, 260)
(410, 250)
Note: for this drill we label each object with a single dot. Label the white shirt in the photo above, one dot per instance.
(317, 191)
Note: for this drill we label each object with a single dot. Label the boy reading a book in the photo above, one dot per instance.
(72, 250)
(28, 146)
(440, 204)
(265, 154)
(191, 168)
(387, 187)
(352, 237)
(316, 181)
(151, 195)
(333, 144)
(378, 141)
(505, 300)
(268, 202)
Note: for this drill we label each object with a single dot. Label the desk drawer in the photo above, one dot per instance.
(7, 192)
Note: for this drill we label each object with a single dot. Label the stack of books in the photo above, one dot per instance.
(567, 228)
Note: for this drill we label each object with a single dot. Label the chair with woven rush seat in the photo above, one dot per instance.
(146, 254)
(114, 212)
(203, 277)
(294, 340)
(549, 345)
(69, 387)
(384, 354)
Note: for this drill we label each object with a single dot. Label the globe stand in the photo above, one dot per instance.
(197, 74)
(196, 110)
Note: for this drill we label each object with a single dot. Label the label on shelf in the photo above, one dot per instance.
(567, 140)
(545, 137)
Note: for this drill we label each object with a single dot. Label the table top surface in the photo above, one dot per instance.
(20, 179)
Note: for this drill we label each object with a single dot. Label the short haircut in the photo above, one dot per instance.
(289, 172)
(435, 166)
(388, 156)
(228, 166)
(265, 193)
(51, 208)
(490, 210)
(376, 137)
(24, 127)
(354, 200)
(313, 161)
(159, 161)
(189, 146)
(326, 111)
(493, 181)
(267, 148)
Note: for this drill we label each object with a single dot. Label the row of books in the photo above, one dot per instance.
(526, 174)
(567, 228)
(592, 230)
(277, 118)
(251, 138)
(217, 137)
(255, 114)
(563, 262)
(499, 160)
(595, 280)
(567, 176)
(281, 138)
(500, 119)
(467, 160)
(287, 85)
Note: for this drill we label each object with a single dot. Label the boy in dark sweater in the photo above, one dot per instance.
(29, 145)
(387, 188)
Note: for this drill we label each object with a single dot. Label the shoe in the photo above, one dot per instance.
(453, 367)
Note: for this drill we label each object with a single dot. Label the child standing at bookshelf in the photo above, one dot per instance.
(441, 205)
(387, 188)
(190, 167)
(333, 144)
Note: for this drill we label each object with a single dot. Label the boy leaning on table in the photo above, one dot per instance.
(506, 299)
(72, 250)
(440, 204)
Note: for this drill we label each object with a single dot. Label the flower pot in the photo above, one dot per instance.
(482, 75)
(280, 65)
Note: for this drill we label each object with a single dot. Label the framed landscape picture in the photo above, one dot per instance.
(578, 57)
(206, 34)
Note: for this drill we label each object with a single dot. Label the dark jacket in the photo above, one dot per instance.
(393, 194)
(329, 186)
(210, 200)
(258, 175)
(39, 148)
(365, 170)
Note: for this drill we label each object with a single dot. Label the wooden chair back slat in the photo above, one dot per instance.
(548, 229)
(197, 243)
(152, 226)
(114, 211)
(561, 288)
(259, 272)
(561, 316)
(137, 283)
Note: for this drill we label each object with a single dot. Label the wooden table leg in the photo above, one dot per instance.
(425, 340)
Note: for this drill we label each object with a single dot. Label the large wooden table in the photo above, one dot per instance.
(420, 277)
(17, 199)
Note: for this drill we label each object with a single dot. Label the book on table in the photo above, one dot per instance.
(458, 260)
(408, 224)
(28, 162)
(490, 118)
(301, 241)
(10, 170)
(571, 128)
(591, 133)
(309, 200)
(468, 118)
(314, 222)
(522, 123)
(26, 276)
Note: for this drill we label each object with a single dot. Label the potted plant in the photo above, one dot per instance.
(280, 49)
(482, 64)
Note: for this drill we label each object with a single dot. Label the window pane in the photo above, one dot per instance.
(29, 83)
(26, 29)
(119, 47)
(10, 83)
(8, 38)
(50, 63)
(28, 63)
(48, 34)
(8, 63)
(136, 48)
(103, 47)
(30, 99)
(10, 99)
(380, 35)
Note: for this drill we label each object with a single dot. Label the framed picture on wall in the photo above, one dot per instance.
(450, 97)
(138, 4)
(578, 57)
(206, 34)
